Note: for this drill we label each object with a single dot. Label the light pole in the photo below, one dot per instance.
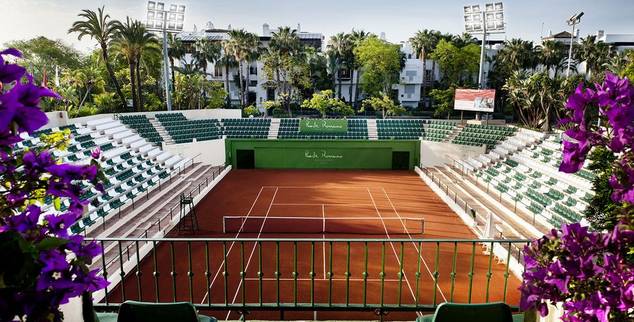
(572, 21)
(160, 19)
(484, 22)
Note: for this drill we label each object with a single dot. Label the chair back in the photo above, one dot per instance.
(132, 311)
(489, 312)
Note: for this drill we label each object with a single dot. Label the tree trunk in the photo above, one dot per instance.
(340, 83)
(423, 89)
(173, 75)
(113, 78)
(227, 85)
(135, 105)
(356, 89)
(246, 95)
(139, 87)
(350, 89)
(241, 85)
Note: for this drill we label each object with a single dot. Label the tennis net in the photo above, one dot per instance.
(316, 225)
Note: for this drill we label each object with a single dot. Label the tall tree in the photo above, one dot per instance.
(339, 48)
(241, 45)
(132, 41)
(459, 65)
(517, 54)
(424, 42)
(175, 51)
(381, 63)
(227, 61)
(356, 37)
(101, 28)
(594, 53)
(206, 52)
(551, 55)
(286, 65)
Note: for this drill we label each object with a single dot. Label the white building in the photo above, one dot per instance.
(257, 93)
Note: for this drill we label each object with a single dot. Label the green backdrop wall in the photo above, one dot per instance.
(323, 154)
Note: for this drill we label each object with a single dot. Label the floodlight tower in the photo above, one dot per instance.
(162, 19)
(484, 22)
(572, 21)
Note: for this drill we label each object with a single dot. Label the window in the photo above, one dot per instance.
(253, 83)
(410, 74)
(218, 71)
(344, 74)
(270, 94)
(253, 70)
(410, 90)
(429, 76)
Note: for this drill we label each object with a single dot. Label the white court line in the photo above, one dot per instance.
(391, 244)
(313, 187)
(413, 243)
(246, 268)
(327, 204)
(231, 247)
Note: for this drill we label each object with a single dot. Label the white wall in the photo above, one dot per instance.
(438, 153)
(208, 152)
(55, 119)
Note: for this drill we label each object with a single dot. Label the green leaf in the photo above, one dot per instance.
(51, 243)
(57, 203)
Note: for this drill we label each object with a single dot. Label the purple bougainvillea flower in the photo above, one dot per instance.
(95, 153)
(20, 105)
(574, 156)
(10, 72)
(59, 224)
(69, 172)
(25, 221)
(53, 261)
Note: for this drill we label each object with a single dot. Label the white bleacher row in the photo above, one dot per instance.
(520, 140)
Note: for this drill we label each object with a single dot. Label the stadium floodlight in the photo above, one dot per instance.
(487, 21)
(165, 19)
(572, 21)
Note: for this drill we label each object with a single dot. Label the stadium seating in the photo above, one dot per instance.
(357, 130)
(183, 130)
(531, 178)
(132, 165)
(142, 125)
(246, 128)
(402, 129)
(477, 135)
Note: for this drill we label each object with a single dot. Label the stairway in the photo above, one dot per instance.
(456, 130)
(161, 131)
(274, 129)
(373, 133)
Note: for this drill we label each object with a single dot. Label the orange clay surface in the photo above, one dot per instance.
(370, 195)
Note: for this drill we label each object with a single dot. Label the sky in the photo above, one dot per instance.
(399, 19)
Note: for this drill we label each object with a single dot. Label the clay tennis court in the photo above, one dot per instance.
(392, 205)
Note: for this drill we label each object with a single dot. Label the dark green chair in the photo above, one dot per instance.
(132, 311)
(456, 312)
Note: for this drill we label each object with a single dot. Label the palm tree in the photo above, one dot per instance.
(594, 54)
(227, 61)
(175, 51)
(338, 48)
(241, 45)
(285, 47)
(551, 54)
(356, 37)
(99, 27)
(132, 41)
(517, 54)
(424, 42)
(206, 51)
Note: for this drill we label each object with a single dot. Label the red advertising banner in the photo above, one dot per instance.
(478, 100)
